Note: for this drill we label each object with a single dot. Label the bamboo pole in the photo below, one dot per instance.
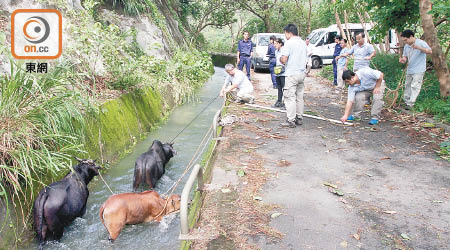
(305, 115)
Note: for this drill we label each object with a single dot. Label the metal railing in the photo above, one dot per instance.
(197, 173)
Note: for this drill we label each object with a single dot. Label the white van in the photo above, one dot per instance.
(321, 42)
(260, 41)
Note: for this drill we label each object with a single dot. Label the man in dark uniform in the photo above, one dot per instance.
(337, 52)
(272, 61)
(245, 51)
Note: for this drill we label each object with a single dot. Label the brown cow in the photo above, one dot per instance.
(134, 208)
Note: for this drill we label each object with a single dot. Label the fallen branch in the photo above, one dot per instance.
(305, 115)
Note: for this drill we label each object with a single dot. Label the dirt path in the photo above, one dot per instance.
(268, 192)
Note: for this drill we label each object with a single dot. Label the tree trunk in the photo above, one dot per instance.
(439, 61)
(309, 18)
(338, 21)
(448, 49)
(387, 44)
(349, 36)
(381, 44)
(362, 21)
(266, 21)
(401, 44)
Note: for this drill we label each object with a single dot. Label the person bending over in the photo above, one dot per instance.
(363, 84)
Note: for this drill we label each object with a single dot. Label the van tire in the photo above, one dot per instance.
(316, 62)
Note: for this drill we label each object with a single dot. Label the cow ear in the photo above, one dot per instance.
(171, 144)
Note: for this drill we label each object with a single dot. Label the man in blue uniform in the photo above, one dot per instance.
(272, 60)
(245, 51)
(337, 52)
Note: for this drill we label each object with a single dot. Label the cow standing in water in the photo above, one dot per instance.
(150, 166)
(135, 208)
(58, 204)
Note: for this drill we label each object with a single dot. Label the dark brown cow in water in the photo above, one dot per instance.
(150, 166)
(134, 208)
(58, 204)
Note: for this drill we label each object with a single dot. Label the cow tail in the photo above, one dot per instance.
(102, 208)
(40, 216)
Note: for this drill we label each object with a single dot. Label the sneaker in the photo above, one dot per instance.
(352, 118)
(373, 121)
(275, 87)
(251, 101)
(298, 121)
(408, 107)
(288, 124)
(276, 105)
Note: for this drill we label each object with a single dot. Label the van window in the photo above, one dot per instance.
(263, 40)
(314, 37)
(330, 37)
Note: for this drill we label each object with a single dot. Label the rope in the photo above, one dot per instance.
(196, 156)
(212, 100)
(101, 177)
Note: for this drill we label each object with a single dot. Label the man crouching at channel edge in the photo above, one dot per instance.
(240, 82)
(363, 84)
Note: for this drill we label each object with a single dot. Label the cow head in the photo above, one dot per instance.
(168, 150)
(174, 203)
(87, 168)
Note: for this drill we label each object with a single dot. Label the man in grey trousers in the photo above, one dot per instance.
(363, 84)
(415, 54)
(294, 56)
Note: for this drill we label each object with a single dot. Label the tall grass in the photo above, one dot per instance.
(38, 134)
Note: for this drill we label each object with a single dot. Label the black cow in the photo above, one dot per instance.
(58, 204)
(150, 166)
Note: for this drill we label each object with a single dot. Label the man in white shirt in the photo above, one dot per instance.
(293, 55)
(240, 83)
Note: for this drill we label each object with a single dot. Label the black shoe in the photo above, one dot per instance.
(288, 124)
(276, 105)
(298, 121)
(407, 107)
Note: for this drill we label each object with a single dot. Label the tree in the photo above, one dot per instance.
(196, 15)
(338, 20)
(438, 57)
(260, 8)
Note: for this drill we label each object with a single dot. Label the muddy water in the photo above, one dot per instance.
(88, 233)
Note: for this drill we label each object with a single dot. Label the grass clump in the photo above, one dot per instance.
(37, 126)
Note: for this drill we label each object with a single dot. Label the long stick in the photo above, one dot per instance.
(305, 115)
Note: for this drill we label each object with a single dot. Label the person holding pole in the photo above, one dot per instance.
(414, 53)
